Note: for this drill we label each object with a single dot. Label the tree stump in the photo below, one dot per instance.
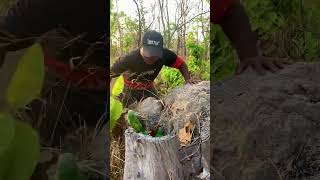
(153, 158)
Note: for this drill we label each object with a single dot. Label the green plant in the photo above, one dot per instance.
(68, 168)
(223, 57)
(19, 143)
(171, 77)
(285, 28)
(196, 50)
(116, 107)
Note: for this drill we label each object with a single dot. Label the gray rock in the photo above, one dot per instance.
(150, 110)
(275, 117)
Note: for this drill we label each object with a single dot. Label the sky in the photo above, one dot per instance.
(129, 7)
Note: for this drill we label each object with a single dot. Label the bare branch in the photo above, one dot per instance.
(139, 15)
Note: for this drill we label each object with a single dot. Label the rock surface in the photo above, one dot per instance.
(267, 127)
(150, 109)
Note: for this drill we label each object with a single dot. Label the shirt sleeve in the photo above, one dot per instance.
(122, 65)
(218, 8)
(172, 59)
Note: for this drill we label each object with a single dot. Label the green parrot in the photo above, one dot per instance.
(160, 132)
(135, 123)
(68, 168)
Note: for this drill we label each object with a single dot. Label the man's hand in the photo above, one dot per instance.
(192, 81)
(261, 63)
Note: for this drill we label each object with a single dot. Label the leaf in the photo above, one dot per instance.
(118, 86)
(6, 131)
(6, 138)
(185, 134)
(27, 81)
(116, 109)
(68, 168)
(21, 158)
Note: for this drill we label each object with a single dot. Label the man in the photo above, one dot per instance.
(73, 38)
(231, 16)
(142, 66)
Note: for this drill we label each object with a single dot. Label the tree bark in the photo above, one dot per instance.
(140, 23)
(151, 158)
(119, 29)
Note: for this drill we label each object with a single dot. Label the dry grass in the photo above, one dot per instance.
(86, 143)
(117, 158)
(117, 149)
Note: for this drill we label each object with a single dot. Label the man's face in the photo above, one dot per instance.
(149, 59)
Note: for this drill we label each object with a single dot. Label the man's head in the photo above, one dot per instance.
(152, 47)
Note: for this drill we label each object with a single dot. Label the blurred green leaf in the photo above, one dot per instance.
(6, 131)
(19, 161)
(27, 81)
(118, 86)
(68, 168)
(116, 109)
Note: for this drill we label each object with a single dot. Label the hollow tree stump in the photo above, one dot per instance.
(151, 158)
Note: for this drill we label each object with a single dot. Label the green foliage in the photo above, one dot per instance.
(6, 131)
(199, 69)
(171, 78)
(223, 57)
(19, 159)
(68, 168)
(20, 146)
(116, 107)
(195, 50)
(27, 81)
(263, 16)
(198, 65)
(127, 40)
(118, 86)
(285, 28)
(194, 65)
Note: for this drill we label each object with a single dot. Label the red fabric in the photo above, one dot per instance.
(218, 8)
(138, 85)
(178, 63)
(87, 78)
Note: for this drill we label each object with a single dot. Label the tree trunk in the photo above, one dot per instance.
(119, 29)
(140, 23)
(151, 158)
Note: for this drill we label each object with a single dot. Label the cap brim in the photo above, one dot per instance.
(150, 51)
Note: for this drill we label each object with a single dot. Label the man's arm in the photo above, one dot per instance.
(185, 73)
(235, 23)
(178, 63)
(119, 67)
(237, 27)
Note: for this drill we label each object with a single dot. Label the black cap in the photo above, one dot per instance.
(152, 44)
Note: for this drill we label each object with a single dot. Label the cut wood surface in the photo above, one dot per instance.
(151, 158)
